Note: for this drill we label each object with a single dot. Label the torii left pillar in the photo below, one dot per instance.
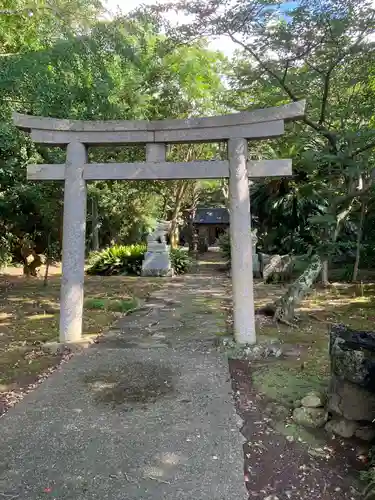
(73, 251)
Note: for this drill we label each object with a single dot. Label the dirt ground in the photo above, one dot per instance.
(282, 460)
(29, 316)
(284, 463)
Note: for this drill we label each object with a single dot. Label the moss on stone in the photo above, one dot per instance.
(286, 381)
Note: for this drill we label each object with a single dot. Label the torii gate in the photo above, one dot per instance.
(235, 129)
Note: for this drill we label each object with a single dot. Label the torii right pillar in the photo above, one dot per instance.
(241, 247)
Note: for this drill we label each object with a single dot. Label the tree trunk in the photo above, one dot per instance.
(48, 260)
(94, 224)
(173, 233)
(225, 190)
(192, 212)
(359, 240)
(286, 305)
(325, 280)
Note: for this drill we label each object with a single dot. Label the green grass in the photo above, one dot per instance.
(114, 305)
(286, 382)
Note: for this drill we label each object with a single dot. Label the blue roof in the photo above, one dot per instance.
(211, 216)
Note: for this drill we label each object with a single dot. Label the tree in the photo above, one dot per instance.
(321, 50)
(120, 69)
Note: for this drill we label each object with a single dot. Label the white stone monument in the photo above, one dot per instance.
(157, 260)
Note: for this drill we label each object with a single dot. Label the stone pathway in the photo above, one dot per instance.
(145, 414)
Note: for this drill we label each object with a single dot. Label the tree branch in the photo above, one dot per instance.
(323, 107)
(331, 137)
(362, 149)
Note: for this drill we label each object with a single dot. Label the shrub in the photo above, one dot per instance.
(115, 305)
(127, 260)
(369, 476)
(180, 260)
(94, 304)
(119, 259)
(224, 245)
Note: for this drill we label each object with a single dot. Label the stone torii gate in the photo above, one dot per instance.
(236, 129)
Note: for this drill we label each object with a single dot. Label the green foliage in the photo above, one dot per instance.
(369, 477)
(323, 52)
(94, 304)
(114, 305)
(180, 260)
(69, 64)
(127, 260)
(224, 245)
(5, 250)
(119, 259)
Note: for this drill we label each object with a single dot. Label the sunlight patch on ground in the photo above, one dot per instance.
(29, 316)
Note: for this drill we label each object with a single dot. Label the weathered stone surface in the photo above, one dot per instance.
(255, 352)
(350, 401)
(366, 433)
(160, 170)
(55, 348)
(313, 400)
(310, 417)
(275, 264)
(277, 411)
(250, 131)
(157, 260)
(353, 356)
(73, 248)
(241, 249)
(341, 427)
(287, 112)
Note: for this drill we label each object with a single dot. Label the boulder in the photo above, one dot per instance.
(277, 411)
(310, 417)
(313, 400)
(341, 427)
(353, 356)
(350, 401)
(366, 433)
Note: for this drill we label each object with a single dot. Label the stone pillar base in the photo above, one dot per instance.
(157, 264)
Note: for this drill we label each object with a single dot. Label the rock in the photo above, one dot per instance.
(366, 433)
(56, 348)
(255, 352)
(297, 403)
(277, 411)
(313, 400)
(310, 417)
(53, 348)
(341, 427)
(277, 352)
(350, 401)
(353, 356)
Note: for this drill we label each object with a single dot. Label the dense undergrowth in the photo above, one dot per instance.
(127, 260)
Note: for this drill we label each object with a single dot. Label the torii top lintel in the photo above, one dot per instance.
(257, 124)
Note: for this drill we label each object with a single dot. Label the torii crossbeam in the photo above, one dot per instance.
(235, 129)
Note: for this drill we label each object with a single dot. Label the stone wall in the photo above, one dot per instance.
(351, 395)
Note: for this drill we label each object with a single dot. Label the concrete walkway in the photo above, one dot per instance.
(146, 414)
